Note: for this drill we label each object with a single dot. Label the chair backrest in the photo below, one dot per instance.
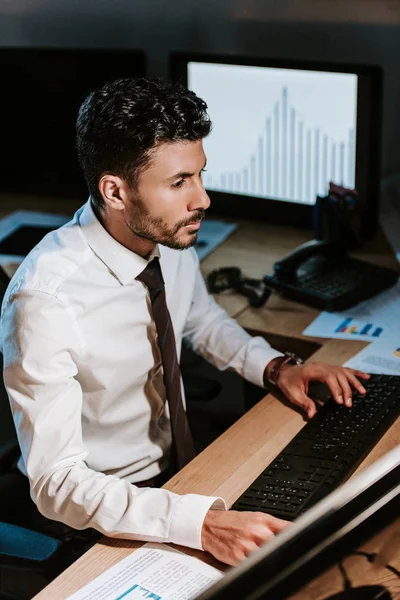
(9, 448)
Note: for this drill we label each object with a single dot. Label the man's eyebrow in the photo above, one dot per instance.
(181, 175)
(184, 174)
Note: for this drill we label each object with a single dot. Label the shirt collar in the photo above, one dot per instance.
(125, 264)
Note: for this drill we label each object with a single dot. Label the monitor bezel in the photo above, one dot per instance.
(343, 520)
(368, 135)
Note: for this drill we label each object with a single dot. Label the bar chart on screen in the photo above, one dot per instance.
(278, 133)
(291, 160)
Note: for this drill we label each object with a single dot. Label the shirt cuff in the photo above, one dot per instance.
(188, 517)
(258, 356)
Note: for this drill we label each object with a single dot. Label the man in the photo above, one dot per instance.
(90, 346)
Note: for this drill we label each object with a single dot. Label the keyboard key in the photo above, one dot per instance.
(249, 502)
(273, 497)
(269, 488)
(297, 501)
(256, 494)
(303, 494)
(310, 487)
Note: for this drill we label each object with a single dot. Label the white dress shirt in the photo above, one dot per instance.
(83, 372)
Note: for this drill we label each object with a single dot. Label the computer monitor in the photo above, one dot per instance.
(322, 536)
(283, 129)
(43, 89)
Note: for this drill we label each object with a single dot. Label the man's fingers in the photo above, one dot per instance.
(294, 380)
(359, 374)
(301, 399)
(356, 384)
(347, 393)
(340, 385)
(230, 536)
(276, 525)
(265, 526)
(337, 392)
(248, 547)
(309, 407)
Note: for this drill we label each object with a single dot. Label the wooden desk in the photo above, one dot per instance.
(256, 439)
(234, 460)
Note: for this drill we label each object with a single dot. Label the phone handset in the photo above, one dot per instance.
(285, 269)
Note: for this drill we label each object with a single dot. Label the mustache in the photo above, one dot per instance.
(199, 216)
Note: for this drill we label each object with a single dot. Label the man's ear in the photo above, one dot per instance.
(114, 191)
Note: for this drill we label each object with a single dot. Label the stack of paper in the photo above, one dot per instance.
(376, 320)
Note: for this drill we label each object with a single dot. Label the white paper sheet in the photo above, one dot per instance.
(154, 571)
(380, 357)
(369, 321)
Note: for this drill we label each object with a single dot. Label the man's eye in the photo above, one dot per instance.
(178, 183)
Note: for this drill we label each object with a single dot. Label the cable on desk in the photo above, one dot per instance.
(370, 556)
(346, 580)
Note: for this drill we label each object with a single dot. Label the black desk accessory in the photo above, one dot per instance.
(320, 272)
(230, 278)
(369, 592)
(364, 592)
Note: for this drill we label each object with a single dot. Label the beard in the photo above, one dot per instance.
(142, 224)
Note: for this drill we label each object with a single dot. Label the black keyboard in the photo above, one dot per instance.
(326, 451)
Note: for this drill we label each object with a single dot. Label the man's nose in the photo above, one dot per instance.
(200, 199)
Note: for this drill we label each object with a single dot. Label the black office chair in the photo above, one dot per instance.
(40, 557)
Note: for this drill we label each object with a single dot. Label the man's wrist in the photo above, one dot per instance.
(270, 367)
(188, 516)
(275, 366)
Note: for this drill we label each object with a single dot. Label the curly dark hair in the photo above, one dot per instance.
(120, 124)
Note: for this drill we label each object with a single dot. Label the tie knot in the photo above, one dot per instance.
(151, 276)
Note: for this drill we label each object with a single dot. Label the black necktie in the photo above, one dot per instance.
(181, 436)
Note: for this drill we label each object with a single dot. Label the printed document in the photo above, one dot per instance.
(381, 357)
(154, 571)
(369, 321)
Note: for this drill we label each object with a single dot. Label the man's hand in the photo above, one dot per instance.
(294, 379)
(231, 535)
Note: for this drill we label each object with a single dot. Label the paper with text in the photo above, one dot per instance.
(382, 357)
(155, 572)
(369, 321)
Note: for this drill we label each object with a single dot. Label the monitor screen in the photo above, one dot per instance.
(322, 536)
(295, 139)
(38, 111)
(283, 130)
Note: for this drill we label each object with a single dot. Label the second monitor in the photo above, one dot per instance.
(284, 129)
